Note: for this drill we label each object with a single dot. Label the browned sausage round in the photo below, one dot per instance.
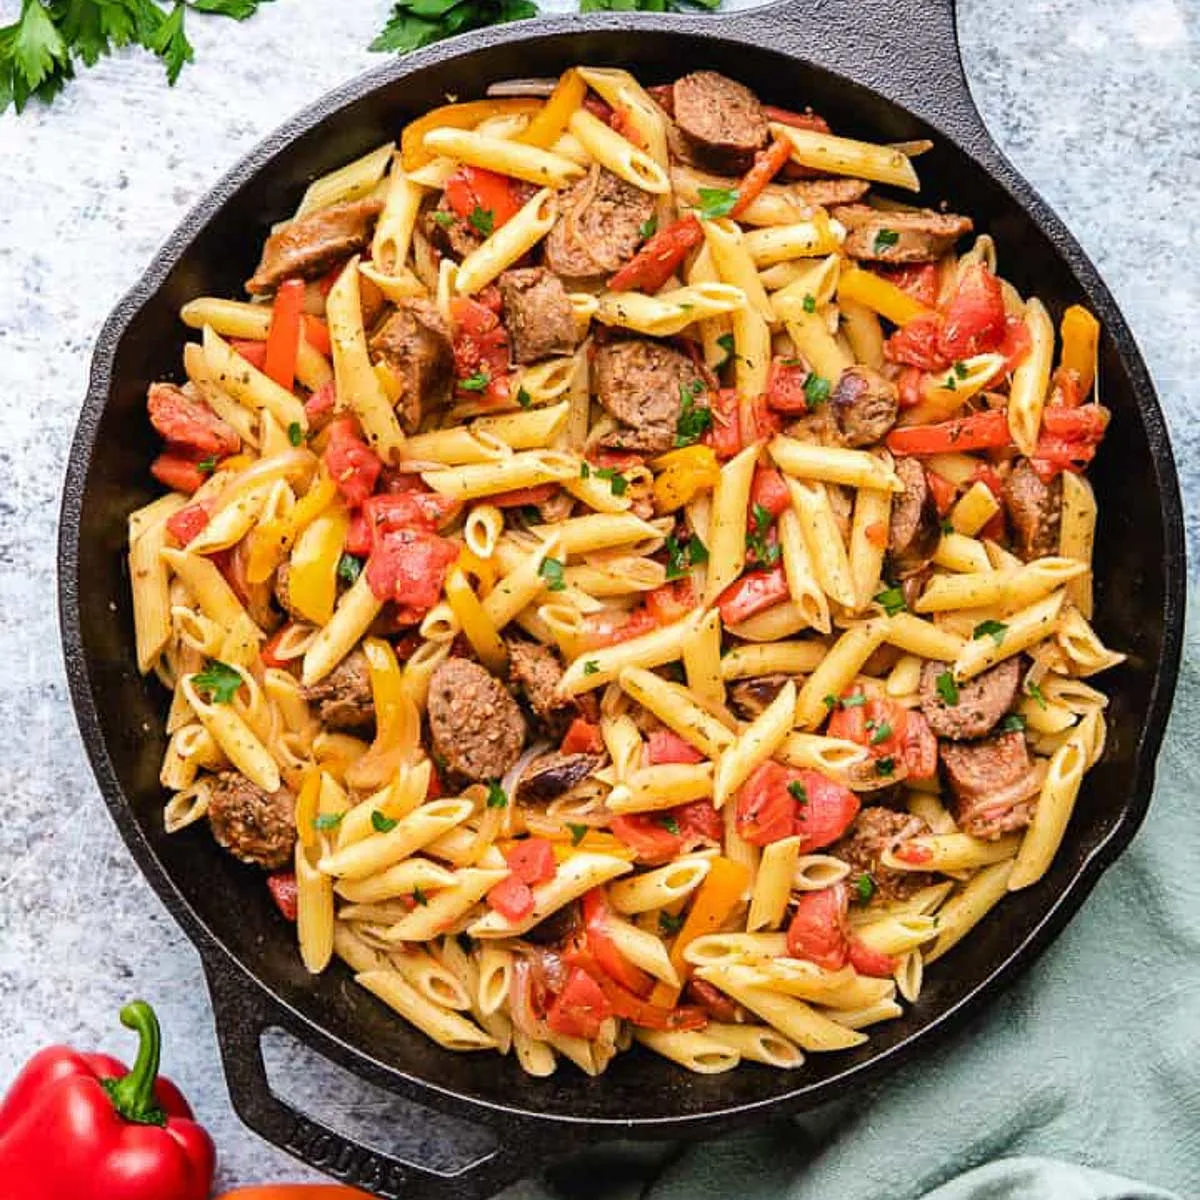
(415, 343)
(309, 246)
(915, 530)
(600, 223)
(254, 826)
(994, 783)
(908, 237)
(537, 314)
(865, 405)
(721, 120)
(552, 775)
(476, 725)
(875, 830)
(1035, 510)
(642, 384)
(982, 701)
(343, 697)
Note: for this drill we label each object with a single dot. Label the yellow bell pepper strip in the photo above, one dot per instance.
(1080, 336)
(881, 296)
(719, 894)
(306, 807)
(272, 541)
(478, 628)
(482, 570)
(684, 473)
(552, 118)
(312, 580)
(397, 725)
(458, 116)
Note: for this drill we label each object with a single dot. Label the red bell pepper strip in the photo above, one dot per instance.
(316, 333)
(283, 889)
(78, 1125)
(178, 473)
(658, 259)
(601, 946)
(631, 1007)
(804, 120)
(979, 431)
(189, 521)
(283, 339)
(769, 491)
(189, 427)
(474, 189)
(753, 593)
(580, 1008)
(666, 746)
(672, 601)
(944, 491)
(583, 737)
(767, 164)
(255, 353)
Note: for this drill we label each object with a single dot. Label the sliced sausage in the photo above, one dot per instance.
(994, 783)
(749, 697)
(819, 428)
(879, 235)
(642, 384)
(982, 701)
(1035, 510)
(537, 314)
(253, 825)
(448, 232)
(721, 120)
(552, 775)
(865, 405)
(534, 671)
(476, 725)
(599, 226)
(186, 421)
(416, 345)
(915, 528)
(875, 830)
(343, 698)
(310, 246)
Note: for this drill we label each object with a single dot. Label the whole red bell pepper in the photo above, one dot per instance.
(81, 1127)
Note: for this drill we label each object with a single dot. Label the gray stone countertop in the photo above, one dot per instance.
(1095, 101)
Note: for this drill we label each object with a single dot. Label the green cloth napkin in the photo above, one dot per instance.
(1093, 1058)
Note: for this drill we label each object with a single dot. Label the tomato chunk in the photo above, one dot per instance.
(818, 928)
(917, 344)
(765, 808)
(824, 810)
(477, 192)
(187, 522)
(770, 491)
(582, 738)
(667, 746)
(511, 898)
(753, 593)
(658, 259)
(409, 566)
(177, 472)
(647, 836)
(531, 860)
(974, 316)
(785, 386)
(352, 464)
(602, 947)
(870, 962)
(580, 1008)
(409, 510)
(671, 602)
(282, 886)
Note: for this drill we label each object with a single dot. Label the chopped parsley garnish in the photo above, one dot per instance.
(716, 202)
(947, 525)
(886, 767)
(993, 629)
(443, 218)
(349, 568)
(757, 547)
(695, 420)
(591, 667)
(295, 433)
(475, 383)
(669, 824)
(328, 821)
(482, 220)
(830, 701)
(798, 791)
(669, 923)
(885, 238)
(881, 733)
(616, 480)
(857, 700)
(947, 688)
(382, 824)
(682, 555)
(524, 399)
(865, 888)
(585, 470)
(219, 681)
(419, 897)
(206, 466)
(1013, 723)
(725, 341)
(578, 833)
(960, 370)
(648, 228)
(816, 390)
(810, 303)
(1033, 690)
(551, 571)
(949, 384)
(495, 795)
(891, 600)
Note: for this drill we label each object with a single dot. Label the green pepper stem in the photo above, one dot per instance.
(133, 1094)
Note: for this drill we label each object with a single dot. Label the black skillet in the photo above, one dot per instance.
(882, 69)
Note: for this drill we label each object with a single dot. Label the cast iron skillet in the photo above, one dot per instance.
(883, 69)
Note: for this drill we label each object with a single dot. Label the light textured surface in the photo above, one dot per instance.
(1095, 100)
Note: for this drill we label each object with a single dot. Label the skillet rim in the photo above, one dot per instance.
(971, 140)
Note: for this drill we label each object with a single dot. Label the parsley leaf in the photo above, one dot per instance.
(891, 600)
(578, 833)
(1033, 690)
(682, 555)
(993, 629)
(947, 525)
(961, 370)
(219, 680)
(524, 399)
(885, 238)
(1013, 723)
(882, 733)
(947, 688)
(496, 797)
(830, 701)
(381, 823)
(444, 218)
(886, 767)
(551, 571)
(669, 923)
(725, 341)
(648, 228)
(349, 568)
(669, 824)
(585, 470)
(816, 390)
(206, 466)
(417, 23)
(757, 547)
(295, 433)
(857, 700)
(694, 420)
(170, 43)
(716, 202)
(591, 667)
(798, 791)
(475, 383)
(419, 897)
(810, 303)
(865, 888)
(328, 821)
(482, 220)
(616, 481)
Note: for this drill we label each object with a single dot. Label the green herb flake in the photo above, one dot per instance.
(669, 824)
(219, 681)
(725, 341)
(885, 767)
(670, 923)
(947, 688)
(206, 466)
(716, 202)
(817, 390)
(328, 821)
(865, 886)
(475, 383)
(1013, 723)
(616, 481)
(295, 433)
(960, 370)
(695, 420)
(830, 701)
(891, 600)
(881, 734)
(349, 568)
(496, 797)
(648, 228)
(585, 470)
(885, 238)
(993, 629)
(382, 824)
(551, 571)
(758, 548)
(482, 220)
(444, 218)
(857, 700)
(684, 554)
(1035, 692)
(810, 303)
(578, 832)
(798, 791)
(419, 897)
(524, 399)
(947, 525)
(417, 23)
(591, 667)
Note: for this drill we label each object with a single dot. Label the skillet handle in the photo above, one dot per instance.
(241, 1020)
(907, 50)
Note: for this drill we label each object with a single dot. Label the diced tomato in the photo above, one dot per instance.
(322, 401)
(769, 490)
(601, 946)
(434, 789)
(785, 386)
(1069, 439)
(472, 188)
(920, 751)
(352, 464)
(520, 497)
(671, 602)
(190, 426)
(582, 738)
(666, 746)
(918, 344)
(255, 353)
(358, 536)
(758, 420)
(580, 1008)
(647, 837)
(531, 860)
(409, 510)
(1016, 343)
(511, 898)
(804, 120)
(698, 819)
(755, 592)
(1065, 389)
(979, 431)
(268, 652)
(187, 522)
(818, 931)
(911, 852)
(480, 348)
(826, 812)
(919, 280)
(724, 435)
(605, 630)
(766, 810)
(870, 962)
(282, 886)
(877, 534)
(316, 333)
(409, 566)
(395, 482)
(660, 257)
(177, 472)
(283, 340)
(878, 724)
(974, 317)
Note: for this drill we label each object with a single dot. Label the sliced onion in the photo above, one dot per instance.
(519, 1000)
(512, 777)
(522, 87)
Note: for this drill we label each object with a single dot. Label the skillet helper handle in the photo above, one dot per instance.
(240, 1022)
